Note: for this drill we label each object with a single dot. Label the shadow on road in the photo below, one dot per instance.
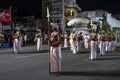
(92, 73)
(83, 52)
(112, 54)
(108, 58)
(28, 52)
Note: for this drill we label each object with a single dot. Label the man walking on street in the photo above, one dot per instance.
(102, 43)
(16, 41)
(93, 43)
(55, 53)
(65, 40)
(39, 40)
(86, 39)
(79, 41)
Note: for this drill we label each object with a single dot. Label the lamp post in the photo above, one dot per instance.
(48, 16)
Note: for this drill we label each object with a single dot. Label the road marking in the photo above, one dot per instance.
(29, 56)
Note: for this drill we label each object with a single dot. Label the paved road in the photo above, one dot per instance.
(34, 66)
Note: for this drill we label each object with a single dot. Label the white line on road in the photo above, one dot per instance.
(29, 56)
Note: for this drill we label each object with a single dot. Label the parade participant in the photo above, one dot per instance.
(113, 41)
(108, 43)
(20, 41)
(45, 38)
(79, 39)
(65, 40)
(16, 42)
(73, 40)
(98, 35)
(39, 40)
(86, 39)
(93, 42)
(102, 43)
(25, 37)
(55, 52)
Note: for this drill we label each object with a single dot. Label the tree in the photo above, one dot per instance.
(106, 27)
(116, 29)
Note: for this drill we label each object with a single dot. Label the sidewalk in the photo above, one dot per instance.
(46, 47)
(117, 44)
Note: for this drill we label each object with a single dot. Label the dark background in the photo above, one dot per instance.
(111, 6)
(34, 6)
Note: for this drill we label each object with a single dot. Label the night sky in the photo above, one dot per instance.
(111, 6)
(33, 6)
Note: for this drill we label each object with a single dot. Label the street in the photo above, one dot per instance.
(31, 65)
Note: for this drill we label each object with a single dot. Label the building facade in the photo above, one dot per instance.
(92, 14)
(60, 11)
(113, 22)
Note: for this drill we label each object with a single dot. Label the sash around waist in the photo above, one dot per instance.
(55, 45)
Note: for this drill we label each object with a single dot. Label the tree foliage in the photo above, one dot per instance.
(116, 29)
(106, 27)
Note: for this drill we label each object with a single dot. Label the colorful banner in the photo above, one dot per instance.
(5, 16)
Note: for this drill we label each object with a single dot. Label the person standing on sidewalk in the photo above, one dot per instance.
(55, 52)
(39, 40)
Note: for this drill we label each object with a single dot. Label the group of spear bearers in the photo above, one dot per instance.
(104, 41)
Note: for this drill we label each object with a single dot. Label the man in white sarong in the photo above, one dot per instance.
(25, 37)
(16, 41)
(102, 43)
(39, 40)
(93, 42)
(86, 39)
(65, 40)
(108, 43)
(73, 41)
(55, 52)
(113, 42)
(79, 41)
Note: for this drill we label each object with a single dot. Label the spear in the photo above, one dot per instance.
(48, 16)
